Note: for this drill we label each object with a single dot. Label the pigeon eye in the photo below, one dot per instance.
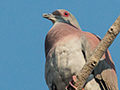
(66, 14)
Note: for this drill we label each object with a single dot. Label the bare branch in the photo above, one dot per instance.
(97, 54)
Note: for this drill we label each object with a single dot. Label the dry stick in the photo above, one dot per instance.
(97, 54)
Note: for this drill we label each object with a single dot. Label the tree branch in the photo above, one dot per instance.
(97, 54)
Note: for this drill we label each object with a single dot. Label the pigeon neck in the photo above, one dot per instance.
(76, 25)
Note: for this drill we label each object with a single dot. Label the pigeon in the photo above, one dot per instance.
(68, 48)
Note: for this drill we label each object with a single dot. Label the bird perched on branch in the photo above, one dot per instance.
(68, 48)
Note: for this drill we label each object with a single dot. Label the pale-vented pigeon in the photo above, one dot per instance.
(68, 48)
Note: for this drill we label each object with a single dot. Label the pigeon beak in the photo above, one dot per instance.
(50, 17)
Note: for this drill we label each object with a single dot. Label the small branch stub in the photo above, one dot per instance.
(93, 63)
(110, 30)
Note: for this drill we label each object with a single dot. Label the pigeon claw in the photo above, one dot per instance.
(71, 84)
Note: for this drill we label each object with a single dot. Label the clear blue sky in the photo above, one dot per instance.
(23, 31)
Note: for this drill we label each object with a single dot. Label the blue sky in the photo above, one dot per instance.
(23, 31)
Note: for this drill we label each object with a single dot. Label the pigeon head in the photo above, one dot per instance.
(62, 16)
